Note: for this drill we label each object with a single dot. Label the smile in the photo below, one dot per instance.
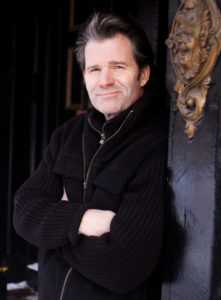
(108, 94)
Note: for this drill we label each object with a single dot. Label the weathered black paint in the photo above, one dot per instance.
(195, 183)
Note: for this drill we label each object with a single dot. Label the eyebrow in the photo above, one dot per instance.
(118, 63)
(110, 63)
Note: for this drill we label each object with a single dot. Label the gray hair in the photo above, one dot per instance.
(106, 25)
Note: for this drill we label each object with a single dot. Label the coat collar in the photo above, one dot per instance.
(140, 108)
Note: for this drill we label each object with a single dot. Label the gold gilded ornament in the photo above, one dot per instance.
(194, 43)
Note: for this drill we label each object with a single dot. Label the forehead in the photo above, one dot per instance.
(117, 48)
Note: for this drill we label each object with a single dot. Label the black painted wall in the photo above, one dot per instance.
(193, 256)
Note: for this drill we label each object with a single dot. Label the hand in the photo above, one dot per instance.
(96, 222)
(64, 197)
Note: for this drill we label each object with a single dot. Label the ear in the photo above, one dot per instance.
(145, 75)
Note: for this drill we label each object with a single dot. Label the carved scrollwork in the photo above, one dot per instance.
(194, 43)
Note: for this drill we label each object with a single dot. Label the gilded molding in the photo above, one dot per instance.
(194, 43)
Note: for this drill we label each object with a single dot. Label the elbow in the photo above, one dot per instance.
(135, 277)
(127, 286)
(129, 282)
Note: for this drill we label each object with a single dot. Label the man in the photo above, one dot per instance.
(94, 206)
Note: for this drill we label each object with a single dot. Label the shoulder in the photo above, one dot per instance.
(76, 120)
(153, 149)
(151, 138)
(64, 131)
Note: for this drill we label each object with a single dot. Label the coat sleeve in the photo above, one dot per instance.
(125, 257)
(40, 216)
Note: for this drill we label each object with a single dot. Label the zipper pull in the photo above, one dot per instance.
(102, 138)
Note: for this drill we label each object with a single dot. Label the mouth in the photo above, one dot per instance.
(108, 94)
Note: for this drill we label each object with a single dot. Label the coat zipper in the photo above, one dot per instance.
(102, 142)
(65, 282)
(101, 133)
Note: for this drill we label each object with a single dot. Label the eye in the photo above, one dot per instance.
(117, 67)
(94, 70)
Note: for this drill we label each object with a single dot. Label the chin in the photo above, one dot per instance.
(110, 114)
(110, 110)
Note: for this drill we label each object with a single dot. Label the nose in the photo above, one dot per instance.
(106, 78)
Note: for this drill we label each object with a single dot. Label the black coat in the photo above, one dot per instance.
(127, 175)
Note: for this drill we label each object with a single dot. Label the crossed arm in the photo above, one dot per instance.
(94, 222)
(120, 259)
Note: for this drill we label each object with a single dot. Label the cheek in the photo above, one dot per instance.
(127, 82)
(90, 86)
(133, 85)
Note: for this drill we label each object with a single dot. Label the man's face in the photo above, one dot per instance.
(111, 75)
